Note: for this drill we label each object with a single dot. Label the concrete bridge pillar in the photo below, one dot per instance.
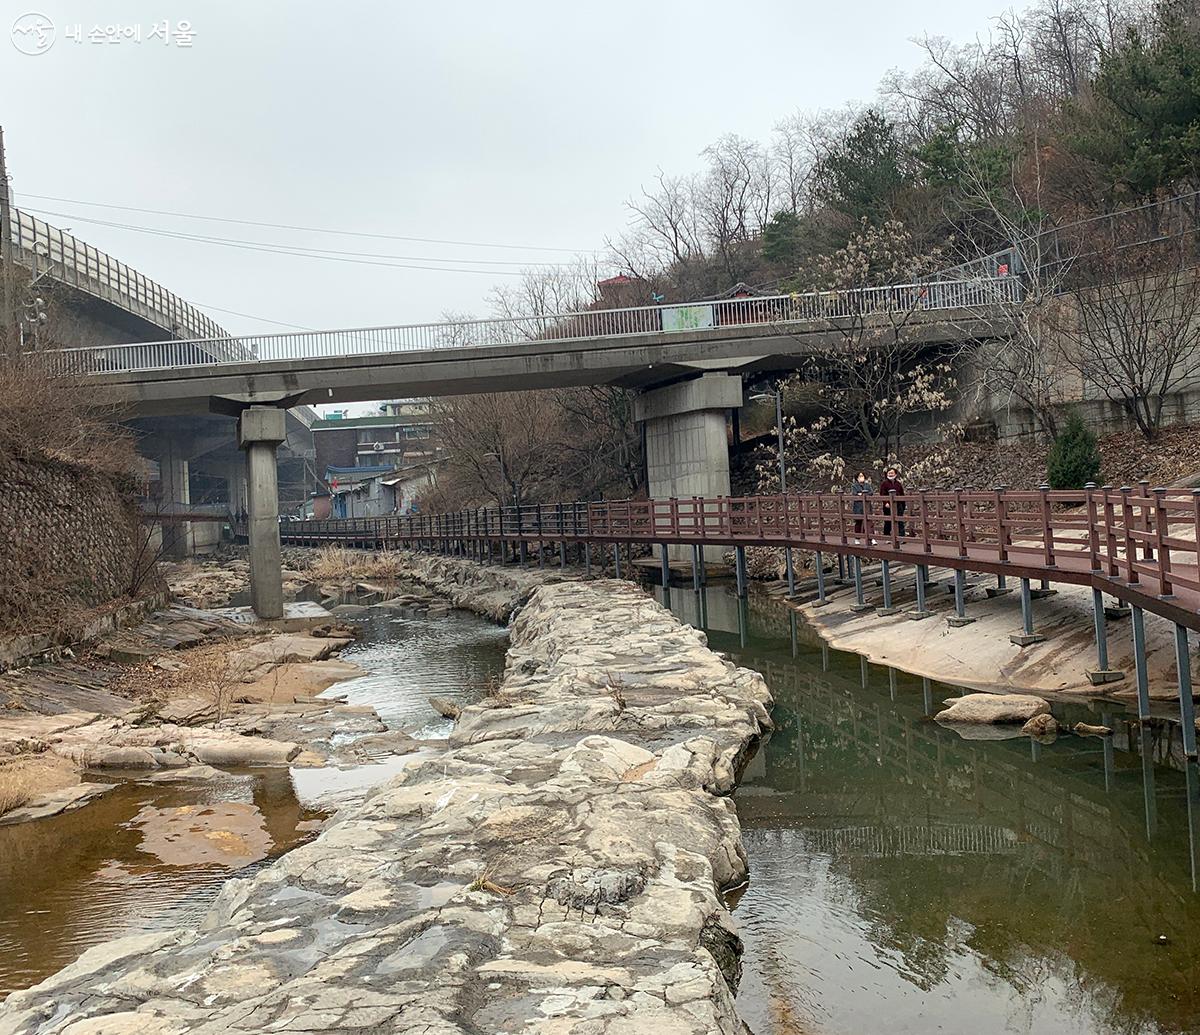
(235, 476)
(174, 479)
(687, 445)
(260, 431)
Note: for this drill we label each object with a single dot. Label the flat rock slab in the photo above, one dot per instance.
(991, 709)
(569, 886)
(53, 803)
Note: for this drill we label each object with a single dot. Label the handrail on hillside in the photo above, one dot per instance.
(1134, 542)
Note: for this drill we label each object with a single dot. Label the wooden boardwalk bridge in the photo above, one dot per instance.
(1134, 543)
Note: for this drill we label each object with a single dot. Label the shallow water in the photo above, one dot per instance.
(904, 880)
(115, 866)
(148, 857)
(410, 658)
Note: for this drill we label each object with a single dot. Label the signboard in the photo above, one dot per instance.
(687, 317)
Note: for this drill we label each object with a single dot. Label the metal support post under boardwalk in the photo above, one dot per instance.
(922, 578)
(887, 608)
(1141, 673)
(960, 616)
(860, 605)
(1026, 636)
(739, 555)
(1102, 673)
(1187, 707)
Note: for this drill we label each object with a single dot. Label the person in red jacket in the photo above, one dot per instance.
(887, 486)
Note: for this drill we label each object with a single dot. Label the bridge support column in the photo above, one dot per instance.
(1026, 636)
(687, 448)
(260, 431)
(1139, 662)
(174, 479)
(819, 561)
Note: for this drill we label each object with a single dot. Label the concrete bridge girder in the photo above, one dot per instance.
(633, 361)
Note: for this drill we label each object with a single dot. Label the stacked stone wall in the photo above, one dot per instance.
(68, 543)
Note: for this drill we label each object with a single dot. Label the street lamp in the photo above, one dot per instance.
(787, 550)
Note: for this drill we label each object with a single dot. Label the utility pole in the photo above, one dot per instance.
(6, 250)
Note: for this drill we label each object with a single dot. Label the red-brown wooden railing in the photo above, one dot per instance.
(1136, 543)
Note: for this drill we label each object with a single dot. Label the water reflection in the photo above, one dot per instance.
(152, 856)
(906, 880)
(143, 857)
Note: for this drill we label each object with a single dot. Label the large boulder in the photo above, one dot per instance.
(992, 708)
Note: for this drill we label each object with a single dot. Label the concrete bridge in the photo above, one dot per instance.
(686, 361)
(103, 301)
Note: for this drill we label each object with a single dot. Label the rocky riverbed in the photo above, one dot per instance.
(558, 868)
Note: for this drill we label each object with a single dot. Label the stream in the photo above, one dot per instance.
(903, 879)
(151, 856)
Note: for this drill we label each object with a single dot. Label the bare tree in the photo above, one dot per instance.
(667, 215)
(1136, 339)
(500, 446)
(873, 371)
(1028, 365)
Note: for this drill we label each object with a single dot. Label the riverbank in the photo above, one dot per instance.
(558, 868)
(172, 697)
(982, 654)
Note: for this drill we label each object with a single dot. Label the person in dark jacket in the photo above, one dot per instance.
(860, 488)
(891, 483)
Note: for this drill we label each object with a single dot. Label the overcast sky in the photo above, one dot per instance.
(516, 123)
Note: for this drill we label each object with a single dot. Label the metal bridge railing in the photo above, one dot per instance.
(972, 294)
(39, 246)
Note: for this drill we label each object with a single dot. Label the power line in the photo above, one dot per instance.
(273, 249)
(315, 230)
(297, 248)
(250, 316)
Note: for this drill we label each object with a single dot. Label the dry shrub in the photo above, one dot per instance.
(45, 415)
(341, 564)
(18, 786)
(212, 678)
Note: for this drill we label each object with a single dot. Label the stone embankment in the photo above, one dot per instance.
(559, 868)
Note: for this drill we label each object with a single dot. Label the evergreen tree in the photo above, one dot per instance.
(1074, 459)
(862, 174)
(782, 240)
(1144, 126)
